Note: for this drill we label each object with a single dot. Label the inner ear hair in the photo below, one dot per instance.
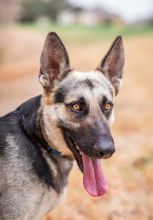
(54, 61)
(112, 63)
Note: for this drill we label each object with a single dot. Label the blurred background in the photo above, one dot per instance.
(88, 29)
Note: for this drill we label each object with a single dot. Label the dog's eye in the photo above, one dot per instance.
(108, 107)
(75, 107)
(78, 106)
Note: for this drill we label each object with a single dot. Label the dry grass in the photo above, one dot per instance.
(129, 172)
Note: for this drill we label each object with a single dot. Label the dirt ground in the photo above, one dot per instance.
(129, 171)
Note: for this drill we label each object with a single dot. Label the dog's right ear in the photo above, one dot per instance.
(54, 61)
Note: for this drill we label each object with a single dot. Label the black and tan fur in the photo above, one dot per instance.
(33, 178)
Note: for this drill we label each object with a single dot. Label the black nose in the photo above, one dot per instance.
(106, 153)
(104, 149)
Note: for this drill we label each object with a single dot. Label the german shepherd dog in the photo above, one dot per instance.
(42, 137)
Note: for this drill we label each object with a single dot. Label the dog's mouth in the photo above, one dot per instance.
(94, 180)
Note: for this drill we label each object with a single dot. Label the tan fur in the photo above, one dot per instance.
(52, 133)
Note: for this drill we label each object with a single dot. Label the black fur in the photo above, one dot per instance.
(22, 123)
(60, 95)
(101, 138)
(88, 83)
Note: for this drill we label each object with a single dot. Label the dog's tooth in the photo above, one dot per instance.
(77, 148)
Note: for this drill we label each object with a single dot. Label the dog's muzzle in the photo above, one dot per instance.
(104, 148)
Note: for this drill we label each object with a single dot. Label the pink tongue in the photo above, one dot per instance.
(94, 180)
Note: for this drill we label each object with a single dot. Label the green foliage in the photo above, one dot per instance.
(33, 9)
(87, 34)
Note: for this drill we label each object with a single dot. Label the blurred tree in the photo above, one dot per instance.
(33, 9)
(9, 11)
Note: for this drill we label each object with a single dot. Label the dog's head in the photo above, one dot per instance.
(78, 107)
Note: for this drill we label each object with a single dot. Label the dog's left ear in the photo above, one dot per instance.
(112, 64)
(54, 61)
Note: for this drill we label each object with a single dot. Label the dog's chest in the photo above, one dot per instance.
(45, 198)
(36, 183)
(46, 202)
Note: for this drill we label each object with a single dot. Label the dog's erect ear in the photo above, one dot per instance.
(112, 64)
(54, 61)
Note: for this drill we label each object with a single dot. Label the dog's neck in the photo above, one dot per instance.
(29, 116)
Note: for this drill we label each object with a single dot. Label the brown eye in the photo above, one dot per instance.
(107, 107)
(75, 107)
(78, 107)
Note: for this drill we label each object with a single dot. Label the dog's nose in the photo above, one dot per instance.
(106, 153)
(105, 148)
